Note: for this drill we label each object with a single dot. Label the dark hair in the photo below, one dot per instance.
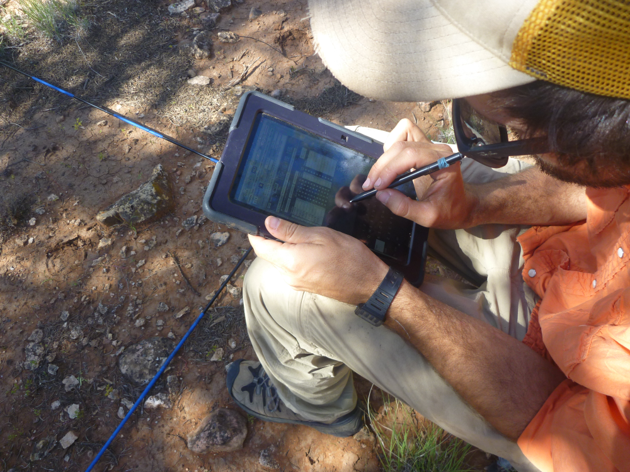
(579, 126)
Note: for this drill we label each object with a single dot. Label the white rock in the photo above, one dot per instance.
(65, 315)
(54, 405)
(199, 80)
(70, 382)
(121, 412)
(73, 411)
(180, 7)
(68, 440)
(140, 322)
(218, 355)
(128, 403)
(52, 197)
(32, 222)
(183, 312)
(156, 401)
(105, 242)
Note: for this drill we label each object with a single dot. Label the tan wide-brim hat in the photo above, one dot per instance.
(420, 50)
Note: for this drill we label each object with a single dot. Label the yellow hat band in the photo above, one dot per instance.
(580, 44)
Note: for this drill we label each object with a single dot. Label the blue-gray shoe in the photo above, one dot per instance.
(250, 387)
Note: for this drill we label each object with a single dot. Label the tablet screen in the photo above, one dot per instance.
(291, 173)
(301, 177)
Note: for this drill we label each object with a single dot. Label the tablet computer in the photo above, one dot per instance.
(283, 162)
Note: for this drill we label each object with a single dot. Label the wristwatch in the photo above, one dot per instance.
(374, 310)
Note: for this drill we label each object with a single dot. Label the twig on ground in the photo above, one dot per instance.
(267, 44)
(86, 59)
(247, 71)
(174, 256)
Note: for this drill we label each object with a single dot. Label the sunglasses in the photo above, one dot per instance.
(477, 138)
(486, 141)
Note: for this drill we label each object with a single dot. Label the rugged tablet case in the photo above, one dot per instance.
(413, 270)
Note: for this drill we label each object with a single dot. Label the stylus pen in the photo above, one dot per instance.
(441, 163)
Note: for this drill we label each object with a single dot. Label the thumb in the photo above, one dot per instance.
(287, 231)
(401, 205)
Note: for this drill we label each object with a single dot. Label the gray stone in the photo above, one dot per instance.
(218, 5)
(34, 353)
(151, 201)
(52, 369)
(70, 382)
(123, 252)
(157, 401)
(201, 49)
(210, 20)
(102, 309)
(75, 331)
(162, 307)
(142, 361)
(140, 322)
(228, 36)
(65, 315)
(121, 412)
(36, 336)
(190, 222)
(54, 405)
(219, 239)
(277, 93)
(266, 459)
(223, 431)
(68, 440)
(180, 7)
(234, 291)
(254, 13)
(128, 403)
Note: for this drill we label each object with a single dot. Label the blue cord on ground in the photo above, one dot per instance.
(167, 362)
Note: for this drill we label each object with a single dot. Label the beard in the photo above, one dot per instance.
(584, 172)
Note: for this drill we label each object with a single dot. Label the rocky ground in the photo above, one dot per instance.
(88, 309)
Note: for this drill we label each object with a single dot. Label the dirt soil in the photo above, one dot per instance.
(61, 162)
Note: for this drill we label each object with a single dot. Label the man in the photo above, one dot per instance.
(534, 365)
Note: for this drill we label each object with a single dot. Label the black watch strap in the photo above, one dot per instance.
(374, 310)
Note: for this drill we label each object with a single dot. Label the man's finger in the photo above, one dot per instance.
(423, 213)
(287, 231)
(405, 130)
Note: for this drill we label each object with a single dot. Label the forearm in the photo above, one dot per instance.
(502, 379)
(529, 197)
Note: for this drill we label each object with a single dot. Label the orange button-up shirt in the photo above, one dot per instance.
(581, 273)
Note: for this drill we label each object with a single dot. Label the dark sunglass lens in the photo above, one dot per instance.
(478, 128)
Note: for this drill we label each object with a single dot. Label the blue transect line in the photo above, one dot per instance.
(109, 112)
(166, 363)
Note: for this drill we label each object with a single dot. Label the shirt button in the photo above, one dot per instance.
(594, 283)
(620, 252)
(531, 273)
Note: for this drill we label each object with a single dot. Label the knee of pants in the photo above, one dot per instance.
(265, 293)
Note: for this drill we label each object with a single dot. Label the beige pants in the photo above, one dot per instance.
(310, 345)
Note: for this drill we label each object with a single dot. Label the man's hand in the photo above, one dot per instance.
(443, 199)
(321, 260)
